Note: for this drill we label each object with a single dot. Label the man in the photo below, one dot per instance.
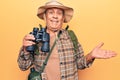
(62, 65)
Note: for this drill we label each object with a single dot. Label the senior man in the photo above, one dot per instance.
(62, 65)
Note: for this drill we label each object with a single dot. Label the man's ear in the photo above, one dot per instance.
(63, 18)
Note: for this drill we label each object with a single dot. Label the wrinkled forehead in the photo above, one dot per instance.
(54, 8)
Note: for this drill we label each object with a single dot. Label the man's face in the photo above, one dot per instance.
(54, 19)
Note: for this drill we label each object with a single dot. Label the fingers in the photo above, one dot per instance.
(28, 40)
(108, 54)
(29, 37)
(99, 45)
(28, 43)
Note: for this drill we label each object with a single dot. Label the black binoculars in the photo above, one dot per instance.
(40, 36)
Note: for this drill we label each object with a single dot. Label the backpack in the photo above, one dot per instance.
(74, 40)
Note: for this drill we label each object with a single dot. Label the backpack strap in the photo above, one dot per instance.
(74, 40)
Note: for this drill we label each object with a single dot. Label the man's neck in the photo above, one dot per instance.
(53, 33)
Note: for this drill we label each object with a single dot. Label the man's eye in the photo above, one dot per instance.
(50, 12)
(60, 13)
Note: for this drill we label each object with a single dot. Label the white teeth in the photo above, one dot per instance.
(54, 21)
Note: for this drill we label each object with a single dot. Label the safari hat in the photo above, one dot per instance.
(68, 12)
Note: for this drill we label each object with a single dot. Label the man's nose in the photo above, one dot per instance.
(55, 16)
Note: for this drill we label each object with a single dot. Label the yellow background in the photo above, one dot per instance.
(94, 21)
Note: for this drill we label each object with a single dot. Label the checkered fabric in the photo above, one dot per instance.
(69, 63)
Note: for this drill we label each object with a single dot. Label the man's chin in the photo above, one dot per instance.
(55, 30)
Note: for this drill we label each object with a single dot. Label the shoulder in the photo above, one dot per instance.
(64, 33)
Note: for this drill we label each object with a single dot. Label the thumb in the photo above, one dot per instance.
(100, 45)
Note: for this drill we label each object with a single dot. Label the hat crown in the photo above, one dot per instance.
(54, 3)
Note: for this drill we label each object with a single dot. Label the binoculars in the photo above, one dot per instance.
(40, 36)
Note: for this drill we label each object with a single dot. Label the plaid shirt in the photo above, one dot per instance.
(69, 63)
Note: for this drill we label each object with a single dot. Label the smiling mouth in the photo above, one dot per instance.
(54, 21)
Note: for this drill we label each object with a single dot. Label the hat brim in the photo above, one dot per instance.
(68, 12)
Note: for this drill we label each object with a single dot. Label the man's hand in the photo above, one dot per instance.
(99, 53)
(28, 41)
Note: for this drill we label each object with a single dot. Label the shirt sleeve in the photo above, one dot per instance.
(24, 60)
(81, 59)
